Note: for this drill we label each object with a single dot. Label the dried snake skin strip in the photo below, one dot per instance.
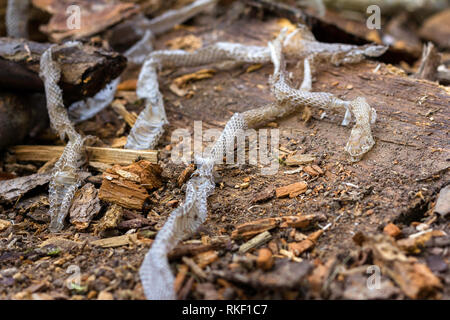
(361, 140)
(149, 125)
(66, 178)
(155, 273)
(299, 44)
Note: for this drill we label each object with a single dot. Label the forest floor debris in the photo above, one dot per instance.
(388, 210)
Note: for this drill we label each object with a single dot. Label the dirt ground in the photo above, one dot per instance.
(396, 182)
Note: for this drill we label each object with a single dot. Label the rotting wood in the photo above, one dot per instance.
(127, 186)
(333, 27)
(95, 154)
(84, 71)
(436, 29)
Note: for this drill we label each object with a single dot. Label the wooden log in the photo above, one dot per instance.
(95, 154)
(84, 71)
(18, 120)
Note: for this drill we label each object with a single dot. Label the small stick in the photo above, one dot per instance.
(255, 242)
(194, 267)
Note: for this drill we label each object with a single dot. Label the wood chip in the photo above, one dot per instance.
(96, 16)
(11, 190)
(127, 186)
(60, 242)
(181, 275)
(110, 220)
(194, 267)
(205, 258)
(119, 142)
(255, 242)
(312, 171)
(199, 75)
(252, 228)
(127, 85)
(119, 108)
(85, 206)
(392, 230)
(264, 195)
(299, 159)
(105, 295)
(291, 190)
(297, 248)
(116, 241)
(4, 224)
(186, 174)
(265, 259)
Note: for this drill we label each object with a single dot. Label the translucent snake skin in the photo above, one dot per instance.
(157, 279)
(300, 44)
(66, 178)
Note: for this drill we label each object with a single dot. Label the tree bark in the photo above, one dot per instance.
(84, 71)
